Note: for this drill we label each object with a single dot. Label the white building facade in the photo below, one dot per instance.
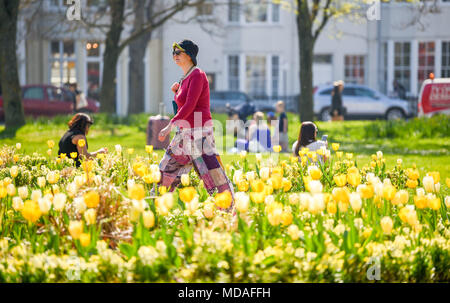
(254, 49)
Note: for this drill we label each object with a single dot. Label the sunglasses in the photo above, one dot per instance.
(177, 52)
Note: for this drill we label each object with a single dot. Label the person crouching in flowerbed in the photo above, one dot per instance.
(193, 144)
(74, 142)
(307, 138)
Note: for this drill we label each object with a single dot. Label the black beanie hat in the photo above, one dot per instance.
(190, 48)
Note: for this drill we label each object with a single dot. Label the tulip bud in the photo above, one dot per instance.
(386, 225)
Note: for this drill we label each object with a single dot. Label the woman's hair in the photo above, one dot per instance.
(306, 136)
(258, 116)
(80, 121)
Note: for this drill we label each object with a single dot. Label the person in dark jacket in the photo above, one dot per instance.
(74, 140)
(337, 110)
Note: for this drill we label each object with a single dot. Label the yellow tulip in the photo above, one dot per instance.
(31, 211)
(286, 218)
(148, 218)
(85, 239)
(14, 171)
(277, 148)
(208, 210)
(436, 176)
(224, 199)
(412, 174)
(73, 155)
(335, 146)
(92, 199)
(447, 182)
(412, 183)
(293, 232)
(149, 149)
(185, 181)
(287, 184)
(243, 185)
(257, 197)
(386, 225)
(401, 197)
(421, 202)
(50, 144)
(90, 216)
(389, 192)
(340, 180)
(434, 202)
(354, 179)
(136, 191)
(75, 229)
(187, 194)
(315, 172)
(276, 181)
(257, 186)
(331, 207)
(341, 194)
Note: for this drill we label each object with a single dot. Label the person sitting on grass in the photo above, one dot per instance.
(307, 138)
(74, 140)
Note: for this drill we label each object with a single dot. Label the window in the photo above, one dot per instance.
(275, 12)
(402, 53)
(254, 11)
(323, 59)
(233, 72)
(363, 92)
(445, 72)
(94, 68)
(233, 10)
(275, 76)
(205, 9)
(383, 73)
(354, 69)
(212, 81)
(426, 61)
(34, 93)
(62, 62)
(326, 92)
(59, 3)
(256, 76)
(348, 91)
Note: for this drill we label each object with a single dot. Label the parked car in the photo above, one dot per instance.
(434, 97)
(235, 99)
(220, 99)
(361, 102)
(48, 100)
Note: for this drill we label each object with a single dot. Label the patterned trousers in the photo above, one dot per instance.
(195, 148)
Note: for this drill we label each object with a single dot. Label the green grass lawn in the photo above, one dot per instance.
(425, 142)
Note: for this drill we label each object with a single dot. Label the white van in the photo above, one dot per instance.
(434, 97)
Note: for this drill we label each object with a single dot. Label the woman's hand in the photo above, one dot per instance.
(103, 150)
(164, 132)
(175, 87)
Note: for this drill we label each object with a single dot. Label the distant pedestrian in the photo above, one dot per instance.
(283, 138)
(399, 90)
(337, 110)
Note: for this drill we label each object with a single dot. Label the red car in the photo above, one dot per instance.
(48, 100)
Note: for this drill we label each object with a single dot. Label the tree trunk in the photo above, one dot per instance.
(306, 47)
(111, 56)
(137, 50)
(9, 76)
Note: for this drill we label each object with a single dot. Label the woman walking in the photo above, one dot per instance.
(337, 110)
(193, 144)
